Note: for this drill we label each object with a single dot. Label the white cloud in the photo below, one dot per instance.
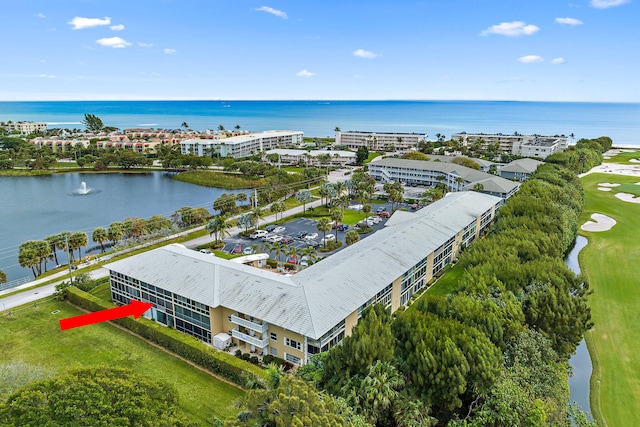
(145, 44)
(40, 15)
(305, 73)
(118, 27)
(79, 23)
(605, 4)
(558, 60)
(569, 21)
(45, 76)
(169, 51)
(272, 11)
(115, 42)
(511, 29)
(528, 59)
(361, 53)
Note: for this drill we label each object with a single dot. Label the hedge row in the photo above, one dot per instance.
(225, 365)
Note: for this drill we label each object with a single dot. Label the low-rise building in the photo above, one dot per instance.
(242, 145)
(313, 157)
(296, 316)
(25, 128)
(432, 173)
(517, 144)
(520, 169)
(379, 141)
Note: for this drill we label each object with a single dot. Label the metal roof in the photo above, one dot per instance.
(525, 165)
(314, 300)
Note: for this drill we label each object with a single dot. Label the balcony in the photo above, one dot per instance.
(261, 343)
(253, 325)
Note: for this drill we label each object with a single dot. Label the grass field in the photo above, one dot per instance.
(610, 262)
(624, 158)
(218, 180)
(33, 336)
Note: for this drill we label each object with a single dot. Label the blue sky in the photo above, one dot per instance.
(544, 50)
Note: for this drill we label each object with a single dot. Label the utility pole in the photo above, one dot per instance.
(255, 198)
(66, 239)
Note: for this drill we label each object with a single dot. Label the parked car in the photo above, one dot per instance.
(300, 234)
(270, 227)
(286, 240)
(311, 236)
(237, 249)
(343, 227)
(304, 261)
(266, 237)
(328, 238)
(205, 251)
(384, 214)
(382, 209)
(313, 243)
(258, 234)
(414, 206)
(278, 230)
(375, 219)
(248, 251)
(292, 259)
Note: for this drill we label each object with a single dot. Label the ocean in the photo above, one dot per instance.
(620, 121)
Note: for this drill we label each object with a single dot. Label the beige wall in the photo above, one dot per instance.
(349, 322)
(279, 344)
(395, 294)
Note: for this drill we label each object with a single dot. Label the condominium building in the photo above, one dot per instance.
(242, 145)
(25, 127)
(313, 157)
(379, 141)
(519, 145)
(297, 315)
(520, 169)
(58, 144)
(432, 173)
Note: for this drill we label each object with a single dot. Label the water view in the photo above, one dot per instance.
(35, 207)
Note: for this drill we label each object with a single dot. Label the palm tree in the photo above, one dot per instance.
(339, 186)
(278, 207)
(379, 390)
(185, 125)
(52, 241)
(278, 248)
(337, 215)
(351, 237)
(77, 241)
(257, 215)
(311, 254)
(219, 227)
(242, 197)
(291, 253)
(323, 226)
(61, 241)
(100, 236)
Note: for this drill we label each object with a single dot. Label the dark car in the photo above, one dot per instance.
(286, 240)
(301, 234)
(270, 227)
(314, 244)
(343, 227)
(383, 209)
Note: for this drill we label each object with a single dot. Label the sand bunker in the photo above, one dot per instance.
(634, 160)
(607, 184)
(600, 223)
(604, 188)
(626, 197)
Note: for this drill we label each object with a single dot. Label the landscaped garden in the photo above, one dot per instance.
(610, 262)
(31, 337)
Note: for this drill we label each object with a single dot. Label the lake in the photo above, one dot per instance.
(35, 207)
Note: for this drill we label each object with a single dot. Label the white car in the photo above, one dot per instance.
(328, 238)
(274, 238)
(311, 236)
(258, 234)
(278, 230)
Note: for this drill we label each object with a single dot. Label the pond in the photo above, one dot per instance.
(36, 207)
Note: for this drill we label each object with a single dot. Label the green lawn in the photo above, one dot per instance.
(624, 158)
(610, 262)
(33, 336)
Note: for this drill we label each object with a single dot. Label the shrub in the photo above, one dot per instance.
(254, 360)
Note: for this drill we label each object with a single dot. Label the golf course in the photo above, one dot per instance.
(610, 262)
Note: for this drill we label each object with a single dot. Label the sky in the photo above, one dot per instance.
(524, 50)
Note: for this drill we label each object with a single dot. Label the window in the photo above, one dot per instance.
(274, 336)
(292, 343)
(274, 351)
(292, 359)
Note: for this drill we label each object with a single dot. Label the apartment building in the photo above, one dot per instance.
(25, 128)
(379, 141)
(520, 169)
(295, 316)
(313, 157)
(242, 145)
(432, 173)
(517, 144)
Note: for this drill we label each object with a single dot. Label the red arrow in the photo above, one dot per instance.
(135, 309)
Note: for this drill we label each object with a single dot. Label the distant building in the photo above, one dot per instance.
(379, 141)
(520, 169)
(453, 176)
(485, 165)
(298, 315)
(313, 157)
(26, 127)
(242, 145)
(59, 144)
(519, 145)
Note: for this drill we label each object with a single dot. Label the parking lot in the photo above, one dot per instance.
(302, 225)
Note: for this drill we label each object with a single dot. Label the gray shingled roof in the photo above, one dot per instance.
(525, 165)
(314, 300)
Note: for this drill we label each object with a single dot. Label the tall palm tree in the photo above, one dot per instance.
(278, 248)
(52, 241)
(339, 187)
(291, 252)
(311, 254)
(100, 236)
(337, 215)
(77, 241)
(242, 197)
(61, 241)
(257, 214)
(323, 226)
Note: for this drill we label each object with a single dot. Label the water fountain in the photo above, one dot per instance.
(83, 188)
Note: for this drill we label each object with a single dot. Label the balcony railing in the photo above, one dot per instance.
(258, 342)
(249, 324)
